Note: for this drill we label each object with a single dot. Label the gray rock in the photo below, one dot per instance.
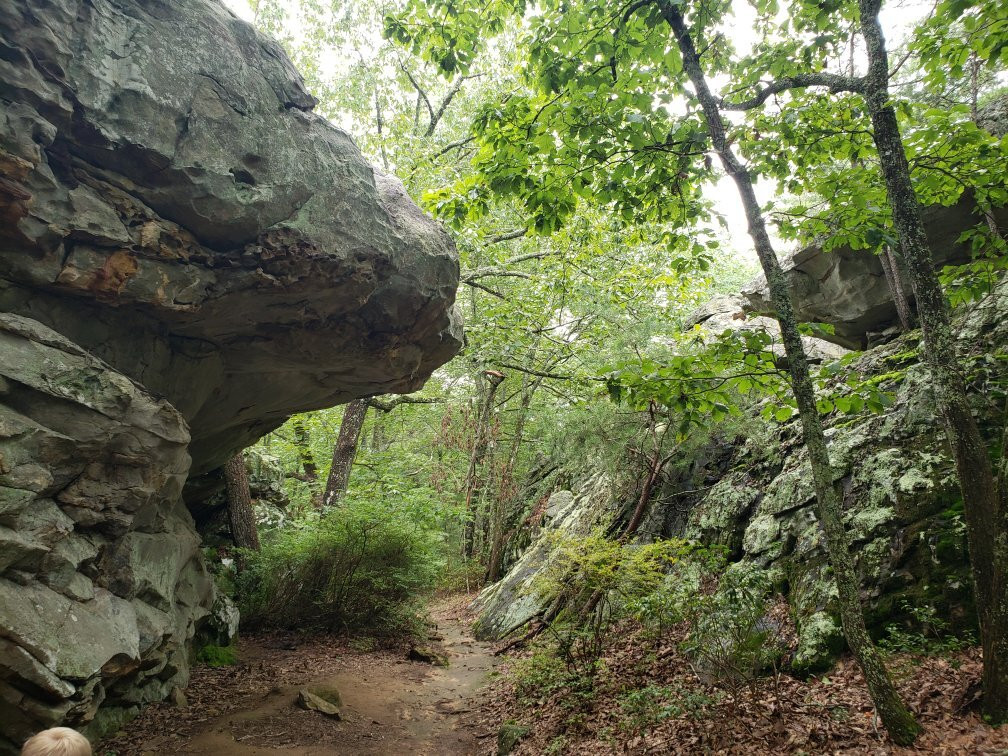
(313, 702)
(509, 736)
(196, 226)
(730, 312)
(101, 581)
(846, 288)
(512, 601)
(188, 255)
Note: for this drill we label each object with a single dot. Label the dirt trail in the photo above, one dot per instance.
(390, 705)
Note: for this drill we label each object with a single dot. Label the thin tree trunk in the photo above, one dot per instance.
(896, 718)
(302, 440)
(986, 519)
(344, 452)
(480, 443)
(499, 537)
(240, 514)
(892, 276)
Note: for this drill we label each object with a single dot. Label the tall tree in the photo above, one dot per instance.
(986, 518)
(985, 514)
(240, 514)
(481, 441)
(563, 142)
(344, 451)
(896, 718)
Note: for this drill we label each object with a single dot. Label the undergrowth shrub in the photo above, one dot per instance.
(353, 568)
(217, 656)
(596, 579)
(932, 636)
(645, 708)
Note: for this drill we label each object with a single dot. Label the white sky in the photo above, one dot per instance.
(898, 21)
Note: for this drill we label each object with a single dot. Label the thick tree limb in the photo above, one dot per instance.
(833, 82)
(391, 404)
(507, 235)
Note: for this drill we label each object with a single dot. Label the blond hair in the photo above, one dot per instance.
(59, 741)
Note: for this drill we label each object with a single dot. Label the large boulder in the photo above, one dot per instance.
(188, 255)
(847, 289)
(101, 581)
(171, 204)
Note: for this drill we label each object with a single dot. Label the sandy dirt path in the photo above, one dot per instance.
(390, 705)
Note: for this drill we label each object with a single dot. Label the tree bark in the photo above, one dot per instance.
(480, 444)
(240, 515)
(892, 276)
(986, 518)
(344, 452)
(896, 718)
(302, 440)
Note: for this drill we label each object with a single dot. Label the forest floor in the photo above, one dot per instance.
(391, 705)
(646, 699)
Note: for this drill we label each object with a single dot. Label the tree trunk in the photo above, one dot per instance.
(240, 515)
(500, 537)
(344, 452)
(480, 443)
(892, 276)
(302, 440)
(986, 519)
(896, 718)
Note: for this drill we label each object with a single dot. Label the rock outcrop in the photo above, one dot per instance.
(751, 491)
(731, 312)
(188, 255)
(512, 601)
(847, 289)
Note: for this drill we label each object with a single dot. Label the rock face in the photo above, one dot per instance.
(847, 289)
(730, 312)
(188, 255)
(101, 581)
(752, 492)
(512, 601)
(171, 204)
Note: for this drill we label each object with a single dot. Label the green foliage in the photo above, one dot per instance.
(581, 566)
(730, 640)
(354, 568)
(927, 634)
(647, 707)
(217, 656)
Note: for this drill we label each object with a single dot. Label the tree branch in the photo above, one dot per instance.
(391, 404)
(507, 235)
(420, 91)
(435, 116)
(538, 373)
(487, 289)
(833, 82)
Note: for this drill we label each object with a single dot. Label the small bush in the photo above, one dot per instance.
(353, 568)
(217, 656)
(933, 636)
(646, 708)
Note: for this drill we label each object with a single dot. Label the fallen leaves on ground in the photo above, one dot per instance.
(827, 714)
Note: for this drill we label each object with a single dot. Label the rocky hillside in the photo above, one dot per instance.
(188, 255)
(748, 487)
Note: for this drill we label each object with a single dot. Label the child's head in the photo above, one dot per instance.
(59, 741)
